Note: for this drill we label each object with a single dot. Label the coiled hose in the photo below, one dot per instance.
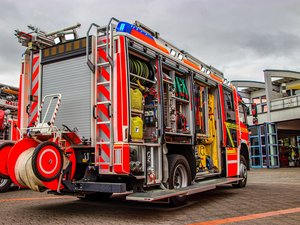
(25, 174)
(141, 69)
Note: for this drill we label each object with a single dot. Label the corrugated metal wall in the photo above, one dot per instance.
(72, 79)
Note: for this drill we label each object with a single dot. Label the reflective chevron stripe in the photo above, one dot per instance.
(34, 89)
(103, 110)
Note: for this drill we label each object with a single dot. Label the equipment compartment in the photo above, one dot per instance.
(143, 98)
(177, 111)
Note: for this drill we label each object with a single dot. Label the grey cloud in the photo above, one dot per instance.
(280, 43)
(239, 37)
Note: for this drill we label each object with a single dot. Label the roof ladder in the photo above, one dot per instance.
(103, 115)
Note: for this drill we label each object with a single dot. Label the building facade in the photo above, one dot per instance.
(276, 138)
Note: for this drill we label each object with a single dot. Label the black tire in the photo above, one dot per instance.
(5, 184)
(98, 196)
(179, 177)
(243, 173)
(3, 145)
(35, 159)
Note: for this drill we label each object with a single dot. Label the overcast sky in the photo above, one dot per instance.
(239, 37)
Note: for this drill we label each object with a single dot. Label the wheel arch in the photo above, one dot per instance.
(244, 151)
(188, 152)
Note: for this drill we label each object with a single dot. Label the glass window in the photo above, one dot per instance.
(271, 128)
(264, 161)
(230, 119)
(264, 108)
(263, 150)
(243, 113)
(253, 130)
(274, 161)
(254, 141)
(272, 139)
(255, 151)
(263, 99)
(256, 161)
(229, 107)
(262, 130)
(256, 100)
(273, 150)
(263, 140)
(246, 100)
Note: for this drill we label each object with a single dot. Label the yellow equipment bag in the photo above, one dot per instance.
(136, 128)
(202, 154)
(136, 98)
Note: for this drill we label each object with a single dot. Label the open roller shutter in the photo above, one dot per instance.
(72, 79)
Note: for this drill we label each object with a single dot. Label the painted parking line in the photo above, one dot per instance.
(249, 217)
(32, 199)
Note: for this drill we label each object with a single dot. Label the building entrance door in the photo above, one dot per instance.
(264, 146)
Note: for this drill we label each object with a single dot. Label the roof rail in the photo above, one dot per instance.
(146, 29)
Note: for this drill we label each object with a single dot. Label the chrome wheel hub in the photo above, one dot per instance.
(180, 177)
(243, 172)
(3, 182)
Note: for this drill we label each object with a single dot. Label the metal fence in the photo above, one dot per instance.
(287, 102)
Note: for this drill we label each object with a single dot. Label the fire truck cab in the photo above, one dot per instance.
(124, 111)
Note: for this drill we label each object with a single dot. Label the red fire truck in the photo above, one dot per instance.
(124, 111)
(8, 131)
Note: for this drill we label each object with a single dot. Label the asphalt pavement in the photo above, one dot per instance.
(272, 196)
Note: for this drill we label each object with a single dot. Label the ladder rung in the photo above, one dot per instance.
(102, 45)
(105, 64)
(103, 122)
(103, 143)
(104, 102)
(103, 83)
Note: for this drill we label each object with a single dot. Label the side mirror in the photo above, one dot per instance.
(248, 111)
(254, 113)
(254, 109)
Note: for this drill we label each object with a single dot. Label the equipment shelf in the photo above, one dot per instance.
(168, 81)
(181, 100)
(142, 78)
(178, 134)
(137, 112)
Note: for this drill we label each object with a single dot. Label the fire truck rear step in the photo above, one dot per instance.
(192, 189)
(97, 187)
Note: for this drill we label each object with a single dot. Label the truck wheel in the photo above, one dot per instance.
(243, 173)
(5, 149)
(4, 184)
(98, 196)
(179, 177)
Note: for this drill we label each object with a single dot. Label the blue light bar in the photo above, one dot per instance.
(127, 28)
